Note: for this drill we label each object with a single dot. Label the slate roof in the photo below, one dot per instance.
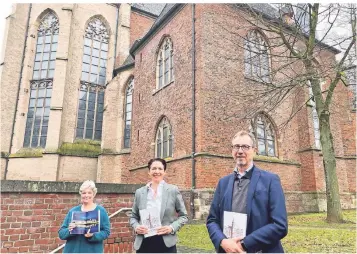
(164, 11)
(129, 60)
(154, 9)
(266, 9)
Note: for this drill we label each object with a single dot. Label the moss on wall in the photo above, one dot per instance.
(274, 159)
(86, 148)
(87, 141)
(4, 154)
(27, 152)
(108, 151)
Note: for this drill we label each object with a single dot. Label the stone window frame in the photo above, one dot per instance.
(269, 134)
(42, 82)
(129, 90)
(257, 39)
(161, 142)
(164, 63)
(93, 80)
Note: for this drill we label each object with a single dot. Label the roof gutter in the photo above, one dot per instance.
(154, 28)
(123, 68)
(116, 37)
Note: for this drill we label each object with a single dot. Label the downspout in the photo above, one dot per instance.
(18, 92)
(116, 38)
(193, 113)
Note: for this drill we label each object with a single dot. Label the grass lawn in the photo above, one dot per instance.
(307, 233)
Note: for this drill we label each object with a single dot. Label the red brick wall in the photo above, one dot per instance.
(220, 71)
(177, 172)
(139, 25)
(30, 221)
(351, 174)
(151, 107)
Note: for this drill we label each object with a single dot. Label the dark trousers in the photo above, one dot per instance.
(155, 244)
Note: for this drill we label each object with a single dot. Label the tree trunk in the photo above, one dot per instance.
(334, 212)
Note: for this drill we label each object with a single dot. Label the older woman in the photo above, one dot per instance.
(87, 242)
(167, 200)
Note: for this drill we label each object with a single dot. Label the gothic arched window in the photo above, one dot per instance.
(92, 84)
(265, 136)
(256, 57)
(128, 112)
(163, 148)
(165, 64)
(42, 80)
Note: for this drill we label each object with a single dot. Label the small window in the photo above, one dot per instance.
(163, 142)
(164, 69)
(265, 136)
(128, 112)
(256, 57)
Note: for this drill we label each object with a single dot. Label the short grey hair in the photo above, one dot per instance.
(245, 133)
(88, 184)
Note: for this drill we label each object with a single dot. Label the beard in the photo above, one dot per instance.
(241, 162)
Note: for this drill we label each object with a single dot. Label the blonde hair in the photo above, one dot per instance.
(245, 133)
(88, 184)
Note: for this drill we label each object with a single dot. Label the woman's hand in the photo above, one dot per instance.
(165, 230)
(88, 234)
(141, 230)
(71, 226)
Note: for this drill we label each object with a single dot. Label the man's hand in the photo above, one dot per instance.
(237, 240)
(165, 230)
(141, 230)
(232, 245)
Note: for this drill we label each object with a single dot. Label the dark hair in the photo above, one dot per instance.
(157, 159)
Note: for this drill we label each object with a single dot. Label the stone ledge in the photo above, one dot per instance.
(63, 187)
(225, 156)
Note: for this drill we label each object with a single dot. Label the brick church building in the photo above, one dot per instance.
(93, 91)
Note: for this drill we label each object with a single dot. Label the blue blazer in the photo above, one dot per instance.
(266, 212)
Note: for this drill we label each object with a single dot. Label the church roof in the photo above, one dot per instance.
(267, 10)
(164, 15)
(154, 9)
(128, 63)
(164, 11)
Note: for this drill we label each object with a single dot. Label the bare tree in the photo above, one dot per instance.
(285, 61)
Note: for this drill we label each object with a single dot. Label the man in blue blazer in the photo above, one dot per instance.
(252, 191)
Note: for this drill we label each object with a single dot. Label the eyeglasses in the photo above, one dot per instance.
(244, 147)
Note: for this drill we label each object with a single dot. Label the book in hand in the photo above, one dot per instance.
(86, 221)
(234, 224)
(151, 219)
